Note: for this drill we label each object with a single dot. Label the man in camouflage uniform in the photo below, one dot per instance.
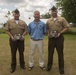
(16, 29)
(56, 26)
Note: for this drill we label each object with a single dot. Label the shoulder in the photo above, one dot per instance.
(42, 22)
(11, 20)
(31, 23)
(61, 18)
(49, 19)
(22, 21)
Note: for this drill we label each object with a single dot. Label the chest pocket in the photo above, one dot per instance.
(40, 26)
(12, 26)
(22, 26)
(59, 24)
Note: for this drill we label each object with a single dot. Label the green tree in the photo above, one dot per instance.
(68, 8)
(8, 15)
(46, 16)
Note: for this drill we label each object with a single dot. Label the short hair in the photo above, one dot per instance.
(36, 11)
(16, 11)
(53, 8)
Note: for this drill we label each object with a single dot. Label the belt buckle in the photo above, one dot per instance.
(53, 34)
(17, 36)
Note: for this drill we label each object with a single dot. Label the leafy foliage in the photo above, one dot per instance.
(46, 16)
(68, 8)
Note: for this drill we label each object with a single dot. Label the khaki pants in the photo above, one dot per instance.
(39, 45)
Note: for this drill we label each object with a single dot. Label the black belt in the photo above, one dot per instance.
(56, 37)
(36, 39)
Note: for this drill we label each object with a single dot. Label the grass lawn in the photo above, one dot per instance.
(69, 56)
